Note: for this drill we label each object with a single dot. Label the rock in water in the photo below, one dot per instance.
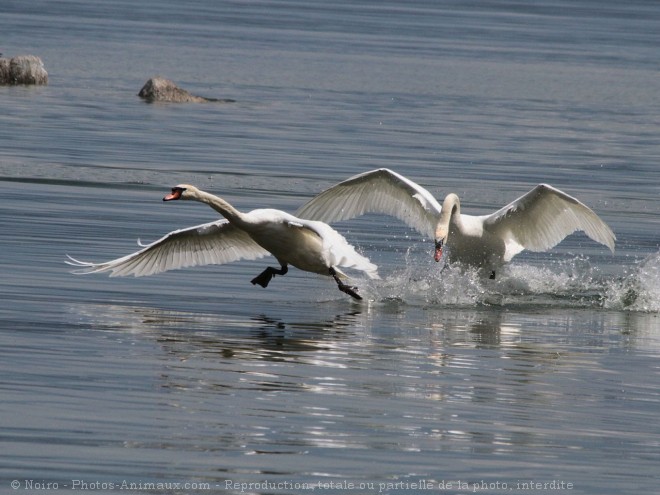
(161, 89)
(22, 69)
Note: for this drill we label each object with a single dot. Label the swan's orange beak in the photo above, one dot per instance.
(438, 250)
(175, 194)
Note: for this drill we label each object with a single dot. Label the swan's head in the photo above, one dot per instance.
(450, 207)
(439, 243)
(182, 191)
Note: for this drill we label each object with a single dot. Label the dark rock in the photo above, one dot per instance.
(161, 89)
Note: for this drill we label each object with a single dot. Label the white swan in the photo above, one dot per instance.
(536, 221)
(306, 244)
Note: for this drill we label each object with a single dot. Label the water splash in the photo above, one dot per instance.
(574, 283)
(638, 290)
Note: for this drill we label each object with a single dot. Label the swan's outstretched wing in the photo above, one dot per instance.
(211, 243)
(377, 191)
(338, 251)
(543, 217)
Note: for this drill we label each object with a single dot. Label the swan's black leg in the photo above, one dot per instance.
(265, 277)
(492, 275)
(351, 291)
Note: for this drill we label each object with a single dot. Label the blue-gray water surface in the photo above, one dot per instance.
(543, 380)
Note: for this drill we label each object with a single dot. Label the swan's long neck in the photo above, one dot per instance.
(451, 207)
(221, 206)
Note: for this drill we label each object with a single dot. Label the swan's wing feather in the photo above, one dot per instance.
(376, 191)
(338, 251)
(210, 243)
(542, 218)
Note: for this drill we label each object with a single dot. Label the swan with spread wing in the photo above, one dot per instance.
(309, 245)
(536, 221)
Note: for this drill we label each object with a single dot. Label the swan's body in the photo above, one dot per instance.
(536, 221)
(309, 245)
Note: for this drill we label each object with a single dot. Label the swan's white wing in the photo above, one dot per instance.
(377, 191)
(337, 250)
(211, 243)
(543, 217)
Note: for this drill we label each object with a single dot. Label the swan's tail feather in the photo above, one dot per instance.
(340, 274)
(338, 252)
(358, 262)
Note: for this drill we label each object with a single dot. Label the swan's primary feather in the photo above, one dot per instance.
(338, 251)
(210, 243)
(377, 191)
(542, 218)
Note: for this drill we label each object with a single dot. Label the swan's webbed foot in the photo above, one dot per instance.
(492, 275)
(267, 275)
(347, 289)
(351, 291)
(263, 278)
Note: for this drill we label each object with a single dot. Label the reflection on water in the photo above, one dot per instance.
(281, 338)
(216, 395)
(181, 333)
(391, 378)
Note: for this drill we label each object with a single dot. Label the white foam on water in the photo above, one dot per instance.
(571, 283)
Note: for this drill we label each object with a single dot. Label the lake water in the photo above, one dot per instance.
(545, 380)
